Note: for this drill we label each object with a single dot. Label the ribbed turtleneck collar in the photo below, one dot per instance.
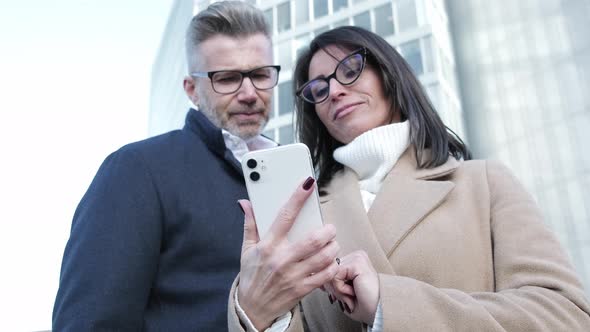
(374, 153)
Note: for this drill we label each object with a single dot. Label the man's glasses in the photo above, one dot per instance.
(230, 81)
(347, 72)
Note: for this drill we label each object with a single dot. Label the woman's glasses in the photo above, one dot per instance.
(347, 72)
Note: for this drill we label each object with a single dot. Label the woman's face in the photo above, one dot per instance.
(350, 110)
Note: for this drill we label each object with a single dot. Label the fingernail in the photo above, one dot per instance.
(341, 306)
(308, 183)
(241, 208)
(330, 298)
(347, 308)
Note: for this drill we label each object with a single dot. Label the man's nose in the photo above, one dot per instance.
(247, 92)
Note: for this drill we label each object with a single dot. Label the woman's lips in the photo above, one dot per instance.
(345, 110)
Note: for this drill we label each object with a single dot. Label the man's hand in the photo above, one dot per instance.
(275, 274)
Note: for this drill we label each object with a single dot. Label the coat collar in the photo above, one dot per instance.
(405, 197)
(211, 135)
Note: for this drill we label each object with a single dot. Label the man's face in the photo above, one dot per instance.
(245, 112)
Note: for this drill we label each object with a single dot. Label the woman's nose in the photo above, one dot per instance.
(336, 89)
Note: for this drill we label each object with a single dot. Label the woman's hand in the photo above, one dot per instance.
(275, 274)
(356, 287)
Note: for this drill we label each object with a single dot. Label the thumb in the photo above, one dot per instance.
(343, 280)
(250, 230)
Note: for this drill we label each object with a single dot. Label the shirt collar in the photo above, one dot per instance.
(239, 147)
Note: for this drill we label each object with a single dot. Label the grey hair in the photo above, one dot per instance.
(229, 18)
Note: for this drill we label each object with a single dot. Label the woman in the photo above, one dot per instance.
(430, 240)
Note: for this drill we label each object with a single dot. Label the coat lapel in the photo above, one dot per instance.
(197, 123)
(343, 208)
(406, 197)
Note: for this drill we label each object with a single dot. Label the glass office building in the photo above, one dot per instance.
(524, 69)
(168, 102)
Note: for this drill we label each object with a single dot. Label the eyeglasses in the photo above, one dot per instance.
(230, 81)
(347, 71)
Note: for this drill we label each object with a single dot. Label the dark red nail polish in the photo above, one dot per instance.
(347, 308)
(308, 183)
(341, 306)
(330, 298)
(241, 208)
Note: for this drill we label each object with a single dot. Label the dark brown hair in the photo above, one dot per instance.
(427, 131)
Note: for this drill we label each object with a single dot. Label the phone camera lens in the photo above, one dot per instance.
(254, 176)
(252, 163)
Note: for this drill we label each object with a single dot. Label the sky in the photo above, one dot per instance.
(74, 86)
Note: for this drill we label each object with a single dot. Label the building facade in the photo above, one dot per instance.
(168, 101)
(524, 72)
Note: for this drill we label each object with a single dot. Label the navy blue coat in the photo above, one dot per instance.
(155, 241)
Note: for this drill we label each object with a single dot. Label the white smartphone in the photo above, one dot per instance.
(272, 175)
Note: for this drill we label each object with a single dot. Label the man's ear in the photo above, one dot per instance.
(190, 87)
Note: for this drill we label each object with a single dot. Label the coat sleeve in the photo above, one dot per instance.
(536, 288)
(112, 254)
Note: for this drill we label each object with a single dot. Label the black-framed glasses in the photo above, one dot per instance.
(347, 71)
(230, 81)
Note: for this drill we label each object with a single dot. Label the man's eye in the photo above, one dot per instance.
(226, 78)
(260, 76)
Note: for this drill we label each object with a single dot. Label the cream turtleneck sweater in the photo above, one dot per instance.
(373, 154)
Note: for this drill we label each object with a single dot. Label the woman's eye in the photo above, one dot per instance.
(321, 92)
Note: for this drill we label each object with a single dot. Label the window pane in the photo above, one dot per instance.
(268, 17)
(301, 42)
(433, 91)
(286, 103)
(270, 133)
(428, 54)
(320, 30)
(339, 4)
(286, 134)
(320, 8)
(341, 23)
(412, 54)
(384, 20)
(301, 11)
(406, 14)
(363, 20)
(284, 17)
(284, 49)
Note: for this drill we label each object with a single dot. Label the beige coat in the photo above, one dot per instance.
(460, 247)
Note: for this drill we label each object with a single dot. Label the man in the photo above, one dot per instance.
(156, 240)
